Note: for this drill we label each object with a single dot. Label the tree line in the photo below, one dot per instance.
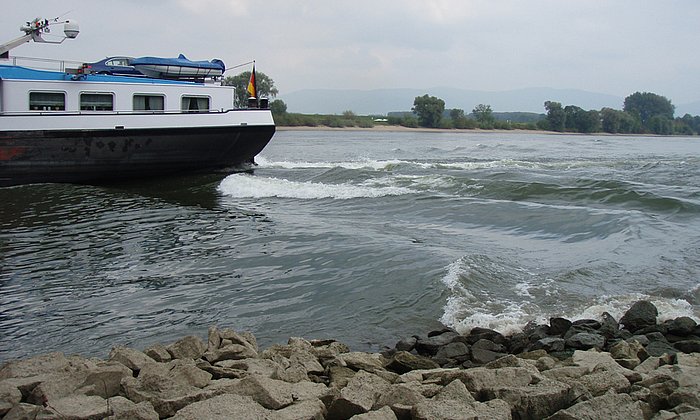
(642, 113)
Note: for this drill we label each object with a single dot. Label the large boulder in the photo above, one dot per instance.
(272, 394)
(430, 346)
(455, 402)
(402, 362)
(131, 358)
(189, 347)
(168, 386)
(642, 314)
(608, 406)
(585, 341)
(221, 407)
(359, 396)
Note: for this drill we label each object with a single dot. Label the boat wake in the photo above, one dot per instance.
(249, 186)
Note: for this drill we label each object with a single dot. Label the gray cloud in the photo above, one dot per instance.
(599, 45)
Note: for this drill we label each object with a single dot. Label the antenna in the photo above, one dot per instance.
(33, 31)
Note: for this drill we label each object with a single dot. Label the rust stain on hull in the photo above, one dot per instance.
(9, 153)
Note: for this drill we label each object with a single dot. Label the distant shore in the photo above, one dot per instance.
(400, 128)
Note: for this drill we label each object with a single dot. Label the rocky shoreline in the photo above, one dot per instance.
(633, 368)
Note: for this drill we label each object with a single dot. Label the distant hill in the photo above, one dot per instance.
(692, 108)
(383, 101)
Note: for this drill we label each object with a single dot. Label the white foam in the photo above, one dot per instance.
(376, 165)
(509, 312)
(250, 186)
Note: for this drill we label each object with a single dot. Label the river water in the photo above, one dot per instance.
(362, 236)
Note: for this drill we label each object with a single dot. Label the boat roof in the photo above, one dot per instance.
(10, 72)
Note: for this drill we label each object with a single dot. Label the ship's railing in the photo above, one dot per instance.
(42, 63)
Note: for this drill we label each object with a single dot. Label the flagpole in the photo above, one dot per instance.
(255, 81)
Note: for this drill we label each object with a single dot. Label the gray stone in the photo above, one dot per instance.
(688, 346)
(10, 396)
(189, 347)
(230, 352)
(340, 376)
(243, 339)
(482, 356)
(167, 386)
(456, 350)
(406, 344)
(23, 411)
(608, 406)
(227, 406)
(489, 345)
(402, 362)
(274, 394)
(682, 326)
(370, 362)
(359, 396)
(559, 326)
(431, 345)
(80, 407)
(584, 341)
(600, 382)
(35, 366)
(534, 401)
(105, 379)
(123, 409)
(549, 344)
(307, 409)
(400, 397)
(609, 327)
(213, 338)
(481, 381)
(262, 367)
(131, 358)
(451, 409)
(478, 333)
(658, 348)
(642, 314)
(158, 352)
(384, 413)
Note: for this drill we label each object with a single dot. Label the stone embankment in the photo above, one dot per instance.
(587, 369)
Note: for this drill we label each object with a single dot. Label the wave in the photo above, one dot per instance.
(483, 292)
(250, 186)
(376, 165)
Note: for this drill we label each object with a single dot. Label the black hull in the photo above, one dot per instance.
(94, 156)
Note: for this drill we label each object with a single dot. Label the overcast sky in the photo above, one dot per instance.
(607, 46)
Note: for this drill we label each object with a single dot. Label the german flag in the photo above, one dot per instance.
(252, 86)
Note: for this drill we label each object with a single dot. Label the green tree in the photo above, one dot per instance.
(582, 121)
(660, 124)
(266, 86)
(484, 115)
(645, 105)
(429, 110)
(459, 120)
(556, 117)
(278, 107)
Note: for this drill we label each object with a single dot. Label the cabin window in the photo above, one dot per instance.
(96, 102)
(195, 103)
(149, 102)
(47, 101)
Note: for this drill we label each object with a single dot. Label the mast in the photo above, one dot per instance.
(35, 29)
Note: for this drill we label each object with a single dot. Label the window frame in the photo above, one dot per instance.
(189, 107)
(82, 107)
(44, 107)
(147, 102)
